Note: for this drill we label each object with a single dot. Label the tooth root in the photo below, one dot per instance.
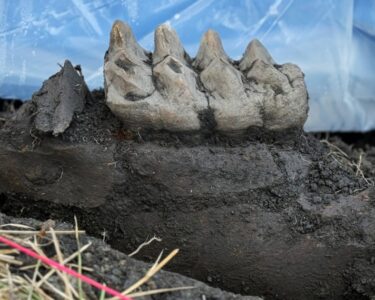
(167, 43)
(122, 38)
(255, 50)
(210, 48)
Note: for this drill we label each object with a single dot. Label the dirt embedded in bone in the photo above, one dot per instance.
(169, 91)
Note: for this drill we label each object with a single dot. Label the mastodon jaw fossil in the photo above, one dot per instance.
(167, 90)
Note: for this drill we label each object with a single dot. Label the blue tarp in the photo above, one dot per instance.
(333, 41)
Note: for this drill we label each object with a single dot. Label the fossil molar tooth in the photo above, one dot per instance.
(167, 43)
(181, 100)
(233, 108)
(162, 91)
(127, 74)
(285, 103)
(288, 110)
(255, 50)
(209, 49)
(268, 74)
(174, 104)
(177, 82)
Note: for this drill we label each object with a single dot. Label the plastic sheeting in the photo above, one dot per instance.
(333, 41)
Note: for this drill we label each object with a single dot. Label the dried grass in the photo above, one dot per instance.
(15, 283)
(345, 161)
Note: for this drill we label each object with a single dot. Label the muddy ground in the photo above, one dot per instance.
(284, 216)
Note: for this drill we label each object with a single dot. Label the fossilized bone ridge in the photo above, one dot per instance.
(168, 90)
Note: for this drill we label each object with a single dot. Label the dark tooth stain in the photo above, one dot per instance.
(174, 66)
(126, 66)
(133, 97)
(277, 90)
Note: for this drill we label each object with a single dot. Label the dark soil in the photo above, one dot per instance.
(279, 215)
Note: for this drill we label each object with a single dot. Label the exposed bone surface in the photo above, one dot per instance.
(255, 50)
(167, 90)
(62, 95)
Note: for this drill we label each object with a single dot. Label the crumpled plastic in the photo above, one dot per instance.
(333, 41)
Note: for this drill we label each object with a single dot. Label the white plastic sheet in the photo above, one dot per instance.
(333, 41)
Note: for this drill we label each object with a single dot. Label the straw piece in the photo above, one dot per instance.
(62, 268)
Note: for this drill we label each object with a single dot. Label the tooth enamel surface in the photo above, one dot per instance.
(182, 101)
(163, 91)
(129, 83)
(285, 102)
(210, 48)
(167, 43)
(233, 108)
(127, 75)
(255, 50)
(122, 38)
(268, 74)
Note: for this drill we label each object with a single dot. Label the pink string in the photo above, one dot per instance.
(62, 268)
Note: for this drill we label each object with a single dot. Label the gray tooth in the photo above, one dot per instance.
(210, 48)
(127, 76)
(268, 74)
(167, 43)
(234, 109)
(122, 38)
(181, 100)
(129, 83)
(174, 106)
(165, 94)
(255, 50)
(285, 98)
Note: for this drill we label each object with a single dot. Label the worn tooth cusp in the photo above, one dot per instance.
(210, 48)
(255, 51)
(167, 43)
